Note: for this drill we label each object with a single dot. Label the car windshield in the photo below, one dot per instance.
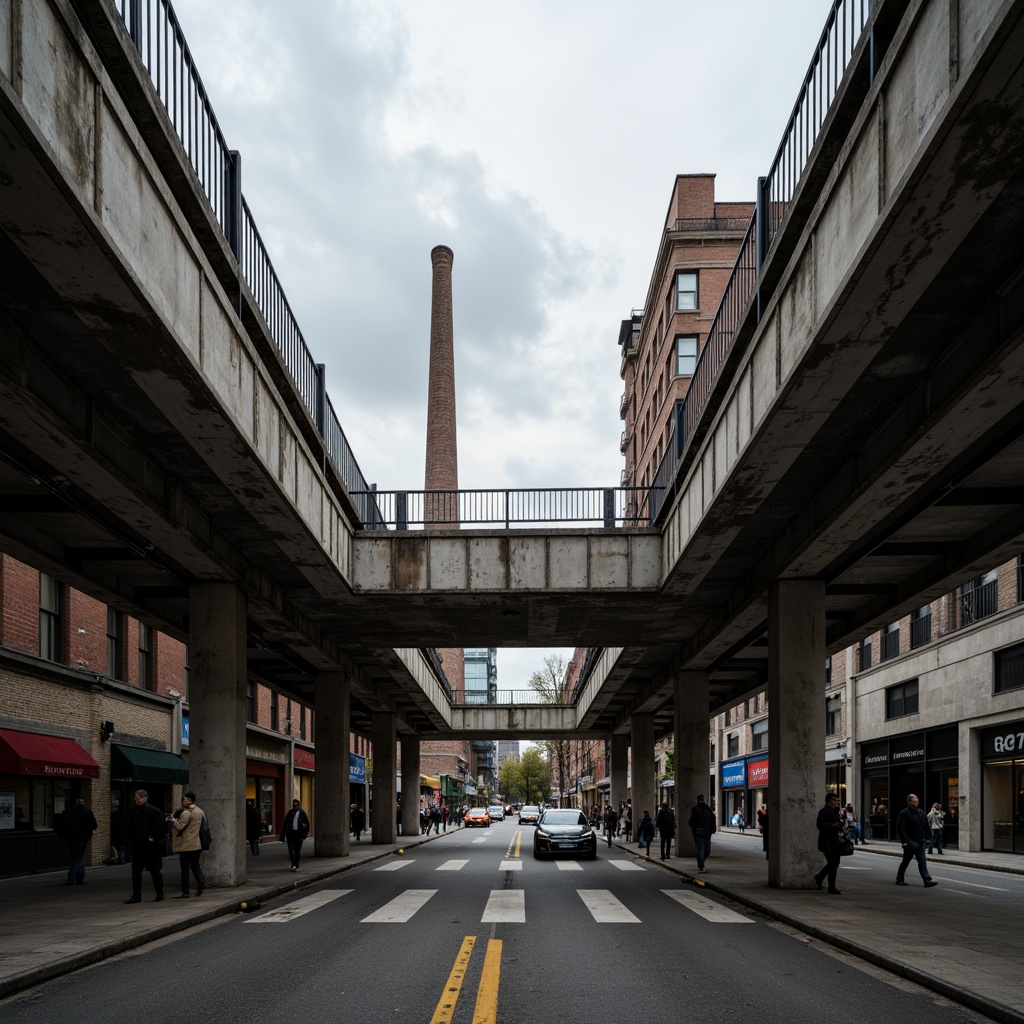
(564, 818)
(494, 810)
(530, 810)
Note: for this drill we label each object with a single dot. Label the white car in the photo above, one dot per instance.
(496, 812)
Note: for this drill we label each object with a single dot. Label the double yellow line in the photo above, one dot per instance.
(486, 1009)
(516, 844)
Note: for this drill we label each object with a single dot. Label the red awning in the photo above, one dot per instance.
(32, 753)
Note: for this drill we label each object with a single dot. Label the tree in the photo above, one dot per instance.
(510, 779)
(536, 776)
(549, 685)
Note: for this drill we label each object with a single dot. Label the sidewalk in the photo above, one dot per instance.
(48, 929)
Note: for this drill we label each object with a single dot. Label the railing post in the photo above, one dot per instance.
(233, 204)
(506, 509)
(135, 26)
(402, 510)
(609, 508)
(761, 213)
(320, 397)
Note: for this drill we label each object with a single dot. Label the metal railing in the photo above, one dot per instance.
(610, 506)
(435, 664)
(157, 35)
(710, 223)
(479, 698)
(890, 646)
(920, 630)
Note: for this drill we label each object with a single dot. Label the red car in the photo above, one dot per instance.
(477, 817)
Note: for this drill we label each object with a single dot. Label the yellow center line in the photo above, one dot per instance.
(519, 842)
(486, 1011)
(513, 842)
(446, 1004)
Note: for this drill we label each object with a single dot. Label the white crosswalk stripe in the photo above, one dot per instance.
(452, 865)
(627, 865)
(299, 907)
(511, 865)
(605, 908)
(507, 906)
(401, 908)
(568, 865)
(394, 865)
(708, 909)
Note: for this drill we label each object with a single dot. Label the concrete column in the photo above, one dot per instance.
(796, 730)
(620, 770)
(645, 786)
(217, 670)
(410, 785)
(332, 746)
(385, 779)
(693, 759)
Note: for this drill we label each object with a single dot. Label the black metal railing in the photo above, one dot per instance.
(518, 698)
(864, 655)
(890, 646)
(158, 37)
(610, 506)
(977, 602)
(920, 630)
(589, 664)
(435, 664)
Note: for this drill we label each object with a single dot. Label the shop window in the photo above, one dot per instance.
(759, 735)
(833, 714)
(1009, 668)
(115, 643)
(145, 656)
(50, 614)
(733, 745)
(901, 699)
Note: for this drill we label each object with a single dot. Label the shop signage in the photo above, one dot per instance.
(875, 755)
(1004, 741)
(304, 759)
(757, 774)
(356, 768)
(907, 749)
(734, 773)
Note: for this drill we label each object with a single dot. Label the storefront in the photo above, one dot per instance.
(133, 768)
(925, 763)
(734, 790)
(1002, 788)
(757, 788)
(304, 768)
(40, 776)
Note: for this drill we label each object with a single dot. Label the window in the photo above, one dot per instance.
(115, 643)
(864, 652)
(145, 656)
(686, 290)
(250, 701)
(921, 626)
(712, 753)
(833, 714)
(49, 618)
(890, 641)
(759, 735)
(901, 699)
(187, 674)
(979, 598)
(302, 723)
(733, 745)
(1009, 669)
(828, 671)
(686, 354)
(275, 710)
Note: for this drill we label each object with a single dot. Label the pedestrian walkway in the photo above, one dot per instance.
(942, 940)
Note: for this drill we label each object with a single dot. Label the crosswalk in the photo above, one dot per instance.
(505, 906)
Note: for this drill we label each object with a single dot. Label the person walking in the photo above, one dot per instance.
(358, 821)
(445, 813)
(936, 822)
(646, 832)
(913, 831)
(186, 822)
(666, 829)
(829, 824)
(146, 832)
(253, 827)
(77, 826)
(611, 822)
(763, 816)
(702, 826)
(296, 828)
(435, 819)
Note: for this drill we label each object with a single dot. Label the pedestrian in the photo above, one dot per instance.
(741, 821)
(913, 831)
(829, 824)
(296, 828)
(763, 816)
(762, 813)
(76, 828)
(646, 832)
(146, 832)
(435, 819)
(627, 822)
(186, 822)
(444, 817)
(358, 821)
(702, 825)
(424, 821)
(611, 823)
(936, 821)
(666, 829)
(253, 826)
(852, 825)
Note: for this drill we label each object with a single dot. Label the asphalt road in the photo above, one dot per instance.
(472, 929)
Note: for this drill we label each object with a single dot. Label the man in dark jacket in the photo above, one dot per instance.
(77, 826)
(913, 829)
(829, 824)
(666, 823)
(611, 822)
(146, 832)
(296, 828)
(702, 825)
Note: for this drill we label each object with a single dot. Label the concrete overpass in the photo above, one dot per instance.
(860, 450)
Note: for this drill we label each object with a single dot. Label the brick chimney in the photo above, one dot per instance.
(442, 471)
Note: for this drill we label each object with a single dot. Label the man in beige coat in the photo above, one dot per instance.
(185, 826)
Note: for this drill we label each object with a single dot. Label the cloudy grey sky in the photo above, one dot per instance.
(539, 140)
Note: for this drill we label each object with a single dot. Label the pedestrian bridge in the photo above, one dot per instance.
(852, 446)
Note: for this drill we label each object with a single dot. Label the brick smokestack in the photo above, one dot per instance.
(442, 446)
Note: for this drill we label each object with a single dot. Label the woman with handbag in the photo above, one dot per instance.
(830, 827)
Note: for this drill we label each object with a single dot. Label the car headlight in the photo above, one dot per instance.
(588, 835)
(543, 834)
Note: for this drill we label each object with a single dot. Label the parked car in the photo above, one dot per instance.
(496, 812)
(564, 830)
(529, 814)
(477, 817)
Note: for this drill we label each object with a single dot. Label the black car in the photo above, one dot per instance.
(564, 831)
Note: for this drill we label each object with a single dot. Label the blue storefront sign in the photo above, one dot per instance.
(734, 773)
(356, 768)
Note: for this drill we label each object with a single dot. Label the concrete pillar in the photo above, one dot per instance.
(645, 786)
(410, 785)
(332, 747)
(217, 670)
(385, 778)
(693, 759)
(620, 770)
(796, 730)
